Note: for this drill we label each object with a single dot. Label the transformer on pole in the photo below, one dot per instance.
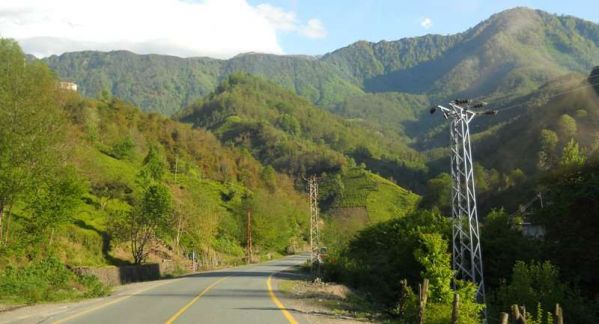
(467, 254)
(314, 230)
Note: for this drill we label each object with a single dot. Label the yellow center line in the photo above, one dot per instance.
(184, 308)
(89, 310)
(277, 302)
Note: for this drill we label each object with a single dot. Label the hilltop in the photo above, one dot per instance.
(513, 51)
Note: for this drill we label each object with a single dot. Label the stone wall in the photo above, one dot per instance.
(113, 276)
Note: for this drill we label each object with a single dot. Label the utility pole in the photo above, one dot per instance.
(249, 249)
(314, 230)
(178, 211)
(466, 250)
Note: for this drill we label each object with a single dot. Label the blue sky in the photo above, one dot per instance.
(225, 28)
(347, 21)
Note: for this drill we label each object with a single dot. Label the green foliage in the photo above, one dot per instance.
(54, 201)
(567, 126)
(532, 284)
(286, 131)
(388, 259)
(571, 156)
(549, 141)
(31, 127)
(123, 149)
(570, 221)
(503, 244)
(438, 192)
(381, 255)
(46, 280)
(153, 167)
(289, 124)
(436, 261)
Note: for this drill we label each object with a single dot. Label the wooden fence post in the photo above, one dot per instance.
(455, 311)
(558, 317)
(518, 318)
(423, 296)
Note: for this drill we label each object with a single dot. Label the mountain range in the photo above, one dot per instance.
(378, 94)
(514, 51)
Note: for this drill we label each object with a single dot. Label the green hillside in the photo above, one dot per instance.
(107, 184)
(84, 179)
(288, 132)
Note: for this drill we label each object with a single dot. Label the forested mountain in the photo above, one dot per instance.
(516, 50)
(281, 127)
(288, 132)
(165, 84)
(513, 52)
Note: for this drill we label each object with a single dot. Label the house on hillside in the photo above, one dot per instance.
(69, 86)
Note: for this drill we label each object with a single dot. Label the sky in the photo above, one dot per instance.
(225, 28)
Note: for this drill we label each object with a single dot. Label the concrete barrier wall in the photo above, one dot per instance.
(113, 276)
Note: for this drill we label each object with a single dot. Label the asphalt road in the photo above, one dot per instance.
(239, 295)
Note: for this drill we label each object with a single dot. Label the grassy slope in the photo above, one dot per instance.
(211, 183)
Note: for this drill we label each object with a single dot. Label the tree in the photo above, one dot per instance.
(153, 168)
(503, 244)
(549, 142)
(571, 156)
(150, 215)
(533, 283)
(123, 149)
(290, 124)
(567, 126)
(438, 192)
(436, 261)
(53, 202)
(31, 125)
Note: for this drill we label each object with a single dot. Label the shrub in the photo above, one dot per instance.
(46, 280)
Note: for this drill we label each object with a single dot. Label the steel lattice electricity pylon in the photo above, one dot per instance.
(314, 230)
(467, 254)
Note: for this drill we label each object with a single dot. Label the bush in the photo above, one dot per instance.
(46, 280)
(123, 149)
(537, 285)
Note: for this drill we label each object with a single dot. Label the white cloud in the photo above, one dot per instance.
(280, 19)
(426, 23)
(314, 29)
(286, 21)
(218, 28)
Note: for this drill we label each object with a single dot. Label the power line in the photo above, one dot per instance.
(552, 96)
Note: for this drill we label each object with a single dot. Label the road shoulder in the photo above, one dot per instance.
(320, 303)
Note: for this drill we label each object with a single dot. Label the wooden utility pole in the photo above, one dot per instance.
(315, 259)
(248, 249)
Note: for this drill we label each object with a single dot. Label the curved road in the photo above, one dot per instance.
(238, 295)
